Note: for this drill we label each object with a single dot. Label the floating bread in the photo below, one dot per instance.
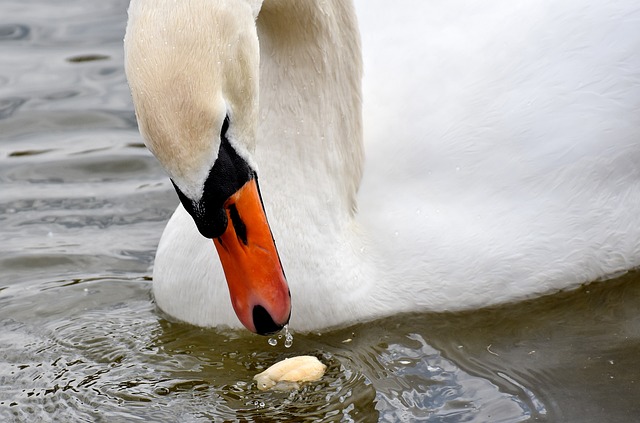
(290, 372)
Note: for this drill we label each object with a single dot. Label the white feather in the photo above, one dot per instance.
(502, 147)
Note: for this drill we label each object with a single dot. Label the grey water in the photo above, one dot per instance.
(82, 207)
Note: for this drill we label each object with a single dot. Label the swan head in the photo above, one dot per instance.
(193, 70)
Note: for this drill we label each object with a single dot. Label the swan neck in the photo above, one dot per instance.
(310, 93)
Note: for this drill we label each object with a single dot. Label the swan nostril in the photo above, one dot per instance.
(263, 322)
(238, 224)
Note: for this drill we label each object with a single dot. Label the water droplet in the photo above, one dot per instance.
(288, 337)
(273, 342)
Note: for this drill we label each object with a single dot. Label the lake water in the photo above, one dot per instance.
(82, 207)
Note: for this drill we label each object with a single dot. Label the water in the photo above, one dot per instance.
(82, 207)
(288, 338)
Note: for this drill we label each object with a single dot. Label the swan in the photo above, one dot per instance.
(491, 155)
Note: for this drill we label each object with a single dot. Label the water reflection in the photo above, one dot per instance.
(101, 341)
(414, 381)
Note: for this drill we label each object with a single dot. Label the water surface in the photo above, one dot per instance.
(83, 205)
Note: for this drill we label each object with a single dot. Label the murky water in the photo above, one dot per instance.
(82, 207)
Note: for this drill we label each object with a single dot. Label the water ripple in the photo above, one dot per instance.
(8, 106)
(10, 32)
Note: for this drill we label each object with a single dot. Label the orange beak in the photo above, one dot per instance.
(257, 285)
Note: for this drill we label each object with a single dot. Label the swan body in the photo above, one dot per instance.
(502, 145)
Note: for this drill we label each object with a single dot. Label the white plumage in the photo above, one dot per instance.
(501, 151)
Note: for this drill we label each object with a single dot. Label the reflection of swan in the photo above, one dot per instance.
(503, 151)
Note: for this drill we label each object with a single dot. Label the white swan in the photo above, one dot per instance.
(502, 152)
